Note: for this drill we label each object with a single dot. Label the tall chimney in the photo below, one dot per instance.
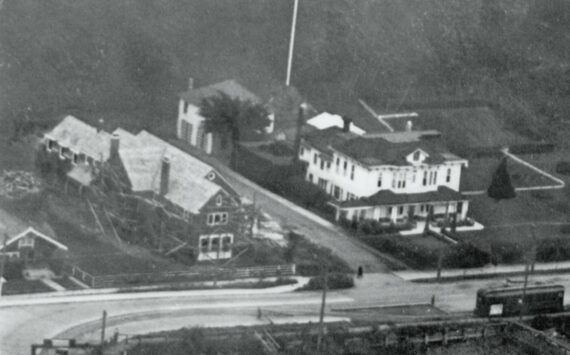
(164, 176)
(409, 126)
(190, 83)
(100, 124)
(346, 124)
(115, 141)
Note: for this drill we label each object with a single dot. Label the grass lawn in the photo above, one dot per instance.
(507, 222)
(477, 176)
(463, 128)
(17, 287)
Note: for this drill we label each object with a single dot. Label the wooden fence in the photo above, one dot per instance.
(134, 279)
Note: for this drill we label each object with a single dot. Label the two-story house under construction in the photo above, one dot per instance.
(156, 171)
(388, 177)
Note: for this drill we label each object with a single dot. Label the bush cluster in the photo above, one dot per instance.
(555, 249)
(335, 281)
(504, 252)
(465, 255)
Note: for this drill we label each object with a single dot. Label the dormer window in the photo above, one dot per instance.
(416, 156)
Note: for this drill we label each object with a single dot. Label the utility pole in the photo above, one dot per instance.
(292, 42)
(103, 325)
(3, 261)
(322, 314)
(523, 304)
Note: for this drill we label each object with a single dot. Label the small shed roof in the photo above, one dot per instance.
(325, 120)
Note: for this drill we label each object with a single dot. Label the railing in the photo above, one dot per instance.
(132, 279)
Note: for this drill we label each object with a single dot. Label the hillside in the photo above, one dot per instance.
(127, 59)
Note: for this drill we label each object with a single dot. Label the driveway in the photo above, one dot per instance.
(315, 228)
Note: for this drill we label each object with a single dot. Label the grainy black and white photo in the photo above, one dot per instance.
(284, 177)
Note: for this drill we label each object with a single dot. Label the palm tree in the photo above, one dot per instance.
(231, 118)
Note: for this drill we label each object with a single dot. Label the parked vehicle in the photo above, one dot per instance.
(508, 300)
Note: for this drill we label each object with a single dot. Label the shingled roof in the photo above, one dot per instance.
(387, 197)
(81, 137)
(188, 185)
(393, 148)
(229, 87)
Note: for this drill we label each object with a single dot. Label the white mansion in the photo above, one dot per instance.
(388, 177)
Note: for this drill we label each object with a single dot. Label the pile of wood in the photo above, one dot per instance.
(16, 183)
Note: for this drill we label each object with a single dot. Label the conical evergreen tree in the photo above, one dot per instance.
(501, 187)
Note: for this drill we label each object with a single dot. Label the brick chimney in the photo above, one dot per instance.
(190, 83)
(409, 126)
(164, 176)
(346, 124)
(115, 142)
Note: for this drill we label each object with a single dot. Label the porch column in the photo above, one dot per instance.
(464, 208)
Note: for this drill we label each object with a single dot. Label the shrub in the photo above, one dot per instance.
(507, 252)
(412, 254)
(541, 322)
(555, 249)
(335, 281)
(563, 167)
(466, 255)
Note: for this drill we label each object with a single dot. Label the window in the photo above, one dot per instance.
(75, 159)
(352, 172)
(416, 155)
(448, 176)
(322, 184)
(226, 243)
(311, 177)
(337, 164)
(215, 243)
(390, 209)
(51, 145)
(217, 218)
(186, 131)
(401, 180)
(424, 182)
(422, 208)
(65, 152)
(315, 157)
(345, 167)
(322, 164)
(337, 193)
(26, 242)
(204, 244)
(379, 184)
(400, 210)
(301, 151)
(219, 200)
(328, 165)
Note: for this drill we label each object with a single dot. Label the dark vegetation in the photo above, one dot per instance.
(127, 60)
(335, 281)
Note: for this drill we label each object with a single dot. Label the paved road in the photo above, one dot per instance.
(302, 221)
(22, 325)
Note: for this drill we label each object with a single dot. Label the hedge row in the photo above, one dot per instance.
(335, 281)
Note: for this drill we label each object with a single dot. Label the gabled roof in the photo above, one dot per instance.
(387, 197)
(327, 120)
(81, 137)
(30, 231)
(188, 186)
(393, 148)
(229, 87)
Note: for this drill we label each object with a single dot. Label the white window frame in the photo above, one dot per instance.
(26, 242)
(211, 218)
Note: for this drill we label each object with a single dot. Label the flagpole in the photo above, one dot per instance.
(291, 43)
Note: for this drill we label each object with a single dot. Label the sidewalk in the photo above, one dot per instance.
(483, 272)
(143, 292)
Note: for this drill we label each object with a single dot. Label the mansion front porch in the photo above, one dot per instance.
(391, 208)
